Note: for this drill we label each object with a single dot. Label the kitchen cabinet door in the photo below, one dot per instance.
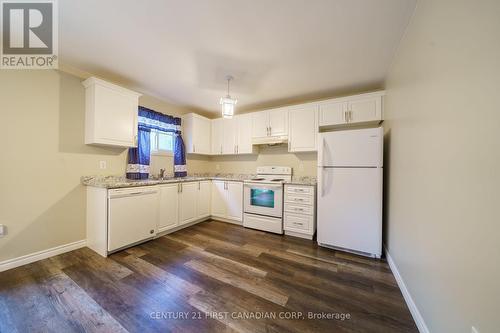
(365, 110)
(332, 113)
(169, 207)
(234, 200)
(217, 130)
(260, 124)
(244, 145)
(110, 114)
(201, 135)
(196, 132)
(230, 127)
(203, 201)
(303, 128)
(188, 196)
(278, 121)
(218, 198)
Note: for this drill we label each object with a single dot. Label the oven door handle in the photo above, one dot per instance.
(264, 187)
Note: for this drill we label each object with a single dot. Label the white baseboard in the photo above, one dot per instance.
(29, 258)
(419, 320)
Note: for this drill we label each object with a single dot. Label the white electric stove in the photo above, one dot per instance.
(263, 199)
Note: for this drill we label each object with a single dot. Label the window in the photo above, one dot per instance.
(162, 143)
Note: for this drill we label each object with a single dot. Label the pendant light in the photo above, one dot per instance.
(227, 103)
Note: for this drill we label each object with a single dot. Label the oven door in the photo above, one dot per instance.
(264, 199)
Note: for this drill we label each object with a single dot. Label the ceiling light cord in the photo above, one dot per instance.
(228, 78)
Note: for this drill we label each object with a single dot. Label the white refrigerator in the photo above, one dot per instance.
(350, 172)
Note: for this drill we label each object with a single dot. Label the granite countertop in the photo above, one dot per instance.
(303, 180)
(121, 181)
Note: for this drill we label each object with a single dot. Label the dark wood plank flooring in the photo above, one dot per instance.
(211, 277)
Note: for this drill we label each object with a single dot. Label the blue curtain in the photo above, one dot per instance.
(139, 158)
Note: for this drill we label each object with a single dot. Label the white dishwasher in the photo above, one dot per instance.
(132, 216)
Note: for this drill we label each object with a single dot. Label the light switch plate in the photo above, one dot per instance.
(102, 164)
(3, 230)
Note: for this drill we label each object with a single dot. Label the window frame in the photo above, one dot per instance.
(161, 152)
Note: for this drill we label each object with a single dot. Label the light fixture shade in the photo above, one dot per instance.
(227, 103)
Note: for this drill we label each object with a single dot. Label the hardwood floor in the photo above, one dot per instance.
(211, 277)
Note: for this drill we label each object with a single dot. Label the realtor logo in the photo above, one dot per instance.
(29, 34)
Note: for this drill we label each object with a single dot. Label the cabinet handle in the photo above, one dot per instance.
(297, 223)
(345, 117)
(350, 115)
(199, 186)
(221, 149)
(194, 149)
(237, 149)
(299, 209)
(181, 186)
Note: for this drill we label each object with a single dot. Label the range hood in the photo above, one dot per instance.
(270, 140)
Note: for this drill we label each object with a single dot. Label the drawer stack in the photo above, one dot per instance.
(300, 210)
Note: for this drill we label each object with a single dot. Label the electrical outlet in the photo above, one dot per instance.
(102, 165)
(474, 330)
(3, 230)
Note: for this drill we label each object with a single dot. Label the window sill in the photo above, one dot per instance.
(162, 153)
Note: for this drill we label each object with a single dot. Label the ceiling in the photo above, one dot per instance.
(277, 50)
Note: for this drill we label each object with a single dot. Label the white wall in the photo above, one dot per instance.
(443, 161)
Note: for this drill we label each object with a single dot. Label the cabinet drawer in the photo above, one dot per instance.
(297, 222)
(308, 190)
(299, 209)
(299, 199)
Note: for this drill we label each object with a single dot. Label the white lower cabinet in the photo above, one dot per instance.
(118, 218)
(188, 197)
(169, 207)
(300, 211)
(219, 198)
(203, 200)
(234, 201)
(227, 200)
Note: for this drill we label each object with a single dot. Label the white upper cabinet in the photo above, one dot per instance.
(110, 114)
(260, 124)
(230, 127)
(196, 132)
(269, 123)
(217, 136)
(303, 128)
(232, 136)
(365, 110)
(356, 110)
(244, 144)
(278, 122)
(332, 113)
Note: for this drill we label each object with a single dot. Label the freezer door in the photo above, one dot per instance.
(350, 208)
(351, 148)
